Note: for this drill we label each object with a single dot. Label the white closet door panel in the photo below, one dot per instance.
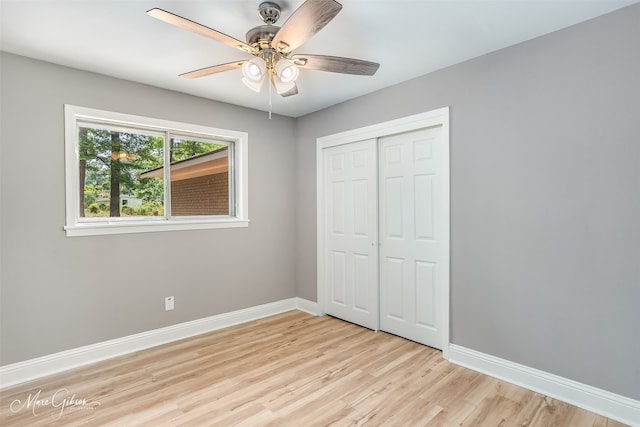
(351, 215)
(411, 197)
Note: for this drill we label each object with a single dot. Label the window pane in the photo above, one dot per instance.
(199, 177)
(114, 180)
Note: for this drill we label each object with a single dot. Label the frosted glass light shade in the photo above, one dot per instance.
(254, 73)
(282, 87)
(255, 86)
(286, 71)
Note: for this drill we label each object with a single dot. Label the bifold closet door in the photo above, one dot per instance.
(351, 227)
(411, 235)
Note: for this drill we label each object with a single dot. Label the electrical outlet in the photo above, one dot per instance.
(168, 303)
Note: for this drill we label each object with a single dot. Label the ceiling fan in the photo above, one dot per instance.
(273, 46)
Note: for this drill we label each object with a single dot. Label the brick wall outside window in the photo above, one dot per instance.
(205, 195)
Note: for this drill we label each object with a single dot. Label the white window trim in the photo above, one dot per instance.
(73, 226)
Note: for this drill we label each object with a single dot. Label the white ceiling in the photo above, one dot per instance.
(408, 38)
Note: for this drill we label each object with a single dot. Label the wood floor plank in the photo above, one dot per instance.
(292, 369)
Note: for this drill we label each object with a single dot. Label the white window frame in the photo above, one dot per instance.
(75, 227)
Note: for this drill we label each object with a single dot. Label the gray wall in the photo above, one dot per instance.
(545, 197)
(60, 292)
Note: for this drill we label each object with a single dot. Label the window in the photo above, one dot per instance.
(131, 174)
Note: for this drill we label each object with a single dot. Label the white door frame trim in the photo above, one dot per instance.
(439, 117)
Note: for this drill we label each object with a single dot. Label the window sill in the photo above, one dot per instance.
(98, 229)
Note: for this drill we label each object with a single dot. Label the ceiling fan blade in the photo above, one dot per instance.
(212, 70)
(335, 64)
(305, 21)
(290, 92)
(194, 27)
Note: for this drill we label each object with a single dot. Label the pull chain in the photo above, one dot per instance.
(270, 105)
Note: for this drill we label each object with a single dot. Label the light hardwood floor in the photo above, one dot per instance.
(291, 369)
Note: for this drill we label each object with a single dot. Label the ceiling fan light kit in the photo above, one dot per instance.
(273, 46)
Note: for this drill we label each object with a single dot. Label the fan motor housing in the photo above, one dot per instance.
(261, 36)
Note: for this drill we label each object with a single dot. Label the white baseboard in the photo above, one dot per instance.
(308, 306)
(28, 370)
(593, 399)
